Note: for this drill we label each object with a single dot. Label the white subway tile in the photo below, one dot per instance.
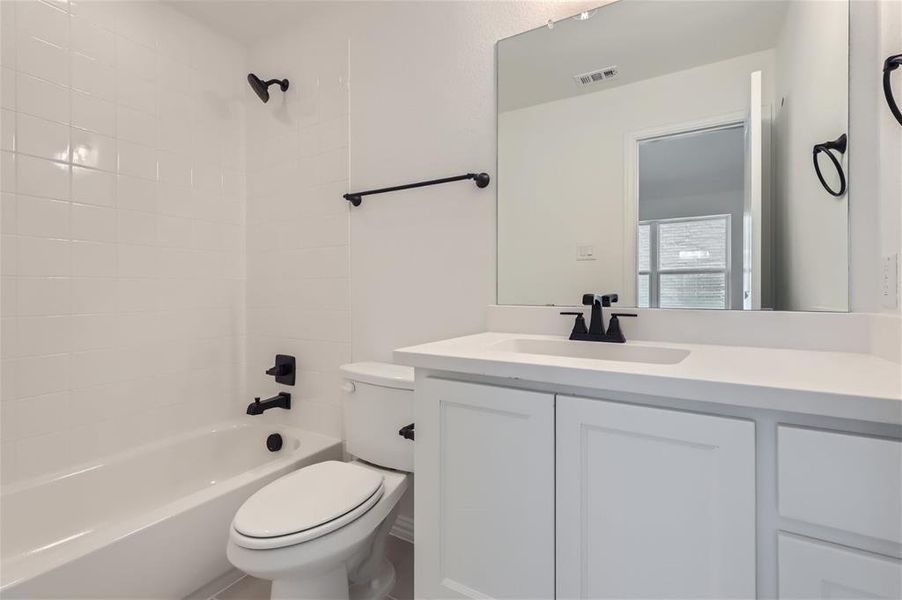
(90, 186)
(94, 150)
(8, 213)
(8, 174)
(7, 130)
(135, 59)
(93, 113)
(43, 335)
(43, 296)
(135, 193)
(41, 177)
(42, 98)
(94, 259)
(136, 126)
(7, 88)
(9, 254)
(39, 137)
(138, 261)
(92, 41)
(94, 295)
(38, 375)
(93, 223)
(40, 415)
(136, 93)
(42, 59)
(95, 332)
(43, 217)
(43, 21)
(93, 77)
(137, 160)
(43, 257)
(137, 227)
(8, 40)
(175, 168)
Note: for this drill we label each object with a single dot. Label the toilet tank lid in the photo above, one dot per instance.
(376, 373)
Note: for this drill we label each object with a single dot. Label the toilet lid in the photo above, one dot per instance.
(309, 498)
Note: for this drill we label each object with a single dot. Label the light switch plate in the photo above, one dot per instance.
(889, 281)
(585, 252)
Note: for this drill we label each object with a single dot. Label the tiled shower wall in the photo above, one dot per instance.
(122, 229)
(297, 225)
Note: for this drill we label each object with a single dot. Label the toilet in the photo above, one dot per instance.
(320, 532)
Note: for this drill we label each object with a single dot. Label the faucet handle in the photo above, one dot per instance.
(579, 326)
(615, 334)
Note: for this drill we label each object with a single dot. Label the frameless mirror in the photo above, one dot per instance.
(666, 151)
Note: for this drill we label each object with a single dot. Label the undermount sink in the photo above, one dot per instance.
(594, 350)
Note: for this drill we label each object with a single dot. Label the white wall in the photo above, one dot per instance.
(810, 226)
(122, 229)
(564, 160)
(875, 152)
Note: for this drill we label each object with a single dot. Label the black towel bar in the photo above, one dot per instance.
(481, 179)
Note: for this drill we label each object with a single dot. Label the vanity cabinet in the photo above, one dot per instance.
(650, 502)
(484, 491)
(653, 503)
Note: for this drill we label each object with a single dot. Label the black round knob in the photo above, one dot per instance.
(274, 442)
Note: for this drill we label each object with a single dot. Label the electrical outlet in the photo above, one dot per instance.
(889, 281)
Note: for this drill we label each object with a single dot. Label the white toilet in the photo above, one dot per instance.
(320, 532)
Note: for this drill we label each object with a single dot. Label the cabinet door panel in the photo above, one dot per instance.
(653, 503)
(814, 569)
(484, 491)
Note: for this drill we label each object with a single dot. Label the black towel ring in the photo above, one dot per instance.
(891, 64)
(839, 144)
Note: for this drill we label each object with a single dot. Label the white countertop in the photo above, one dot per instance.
(834, 384)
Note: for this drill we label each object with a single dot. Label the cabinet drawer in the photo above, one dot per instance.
(814, 569)
(847, 482)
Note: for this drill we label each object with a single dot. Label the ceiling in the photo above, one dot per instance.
(642, 38)
(248, 21)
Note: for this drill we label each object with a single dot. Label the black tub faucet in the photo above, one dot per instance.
(258, 407)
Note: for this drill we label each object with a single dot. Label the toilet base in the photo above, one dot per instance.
(334, 586)
(376, 588)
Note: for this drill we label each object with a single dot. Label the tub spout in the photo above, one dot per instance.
(257, 407)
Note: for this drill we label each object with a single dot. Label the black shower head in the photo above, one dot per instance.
(262, 87)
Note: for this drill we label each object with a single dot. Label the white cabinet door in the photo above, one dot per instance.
(653, 503)
(814, 569)
(484, 491)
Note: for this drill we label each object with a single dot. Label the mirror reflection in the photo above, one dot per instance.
(666, 151)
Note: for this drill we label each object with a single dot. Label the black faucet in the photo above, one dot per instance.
(596, 331)
(282, 400)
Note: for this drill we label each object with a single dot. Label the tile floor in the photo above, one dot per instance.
(399, 552)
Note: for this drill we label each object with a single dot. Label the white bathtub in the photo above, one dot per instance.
(150, 523)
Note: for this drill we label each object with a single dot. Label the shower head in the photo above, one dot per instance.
(262, 87)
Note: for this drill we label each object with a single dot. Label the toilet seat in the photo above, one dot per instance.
(306, 504)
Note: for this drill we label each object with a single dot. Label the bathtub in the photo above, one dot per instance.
(149, 523)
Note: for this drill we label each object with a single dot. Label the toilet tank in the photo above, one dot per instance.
(377, 401)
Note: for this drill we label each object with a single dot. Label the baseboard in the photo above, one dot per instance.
(403, 528)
